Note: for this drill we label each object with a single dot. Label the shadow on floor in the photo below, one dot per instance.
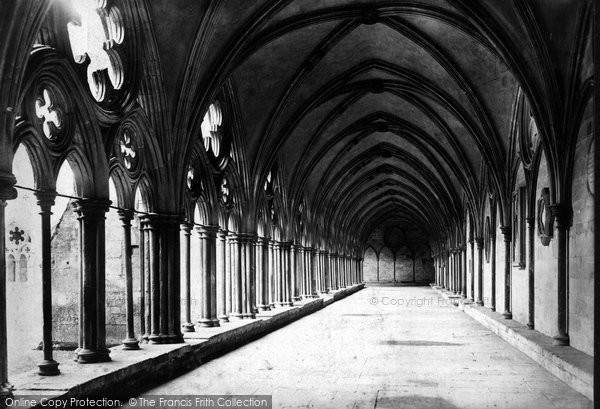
(419, 343)
(413, 402)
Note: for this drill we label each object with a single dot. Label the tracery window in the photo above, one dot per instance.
(11, 268)
(23, 268)
(49, 114)
(225, 191)
(18, 248)
(95, 38)
(211, 129)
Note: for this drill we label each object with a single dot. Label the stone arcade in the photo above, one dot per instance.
(172, 168)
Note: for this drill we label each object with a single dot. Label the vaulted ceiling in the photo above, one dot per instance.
(373, 111)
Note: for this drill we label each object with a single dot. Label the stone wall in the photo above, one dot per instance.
(581, 244)
(382, 263)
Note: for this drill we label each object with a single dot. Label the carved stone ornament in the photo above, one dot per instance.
(545, 219)
(94, 38)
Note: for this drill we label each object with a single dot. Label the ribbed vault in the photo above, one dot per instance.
(374, 112)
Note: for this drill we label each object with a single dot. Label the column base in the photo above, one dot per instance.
(48, 367)
(288, 304)
(561, 340)
(530, 325)
(155, 339)
(131, 344)
(492, 308)
(88, 356)
(235, 317)
(479, 302)
(306, 297)
(264, 308)
(297, 298)
(174, 339)
(463, 296)
(188, 327)
(223, 318)
(205, 323)
(249, 316)
(507, 315)
(216, 322)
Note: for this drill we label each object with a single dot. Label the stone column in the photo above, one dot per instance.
(507, 233)
(312, 270)
(449, 270)
(48, 366)
(493, 262)
(306, 273)
(131, 342)
(236, 278)
(262, 274)
(207, 247)
(271, 274)
(286, 264)
(296, 286)
(7, 192)
(92, 328)
(562, 214)
(277, 271)
(222, 276)
(142, 270)
(163, 278)
(472, 269)
(300, 272)
(228, 275)
(531, 272)
(147, 235)
(327, 272)
(247, 251)
(463, 271)
(330, 269)
(479, 242)
(456, 270)
(186, 229)
(342, 263)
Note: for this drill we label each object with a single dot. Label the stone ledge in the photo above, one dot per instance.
(131, 372)
(574, 367)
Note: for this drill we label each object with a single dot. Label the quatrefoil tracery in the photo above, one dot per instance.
(128, 151)
(225, 190)
(211, 128)
(95, 37)
(49, 114)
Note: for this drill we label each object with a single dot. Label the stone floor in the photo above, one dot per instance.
(384, 347)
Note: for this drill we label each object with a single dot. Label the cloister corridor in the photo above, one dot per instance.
(383, 347)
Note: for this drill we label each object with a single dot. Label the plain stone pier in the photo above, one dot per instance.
(383, 347)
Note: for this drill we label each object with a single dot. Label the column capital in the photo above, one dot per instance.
(530, 222)
(91, 208)
(563, 213)
(162, 221)
(186, 227)
(247, 237)
(507, 233)
(308, 249)
(125, 215)
(206, 231)
(7, 189)
(45, 198)
(296, 247)
(285, 245)
(480, 242)
(262, 240)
